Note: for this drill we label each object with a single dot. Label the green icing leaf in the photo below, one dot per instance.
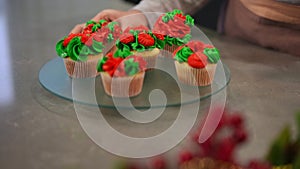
(110, 37)
(189, 20)
(166, 17)
(183, 54)
(212, 54)
(101, 63)
(111, 26)
(123, 52)
(96, 27)
(90, 22)
(102, 21)
(160, 44)
(131, 67)
(176, 11)
(60, 49)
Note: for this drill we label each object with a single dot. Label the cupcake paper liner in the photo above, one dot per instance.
(77, 69)
(117, 86)
(195, 77)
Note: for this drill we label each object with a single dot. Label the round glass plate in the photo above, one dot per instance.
(54, 78)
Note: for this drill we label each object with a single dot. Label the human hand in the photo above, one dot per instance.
(111, 15)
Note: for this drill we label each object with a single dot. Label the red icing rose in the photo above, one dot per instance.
(111, 64)
(145, 39)
(197, 60)
(126, 38)
(174, 28)
(159, 36)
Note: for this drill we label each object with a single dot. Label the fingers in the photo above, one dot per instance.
(78, 28)
(108, 14)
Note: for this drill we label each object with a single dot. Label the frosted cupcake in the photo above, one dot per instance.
(82, 51)
(175, 27)
(140, 41)
(122, 77)
(196, 63)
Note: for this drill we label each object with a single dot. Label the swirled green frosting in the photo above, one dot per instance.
(97, 46)
(74, 48)
(177, 41)
(60, 49)
(212, 54)
(131, 67)
(183, 54)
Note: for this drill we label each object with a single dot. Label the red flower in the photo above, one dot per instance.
(159, 36)
(197, 60)
(126, 38)
(145, 39)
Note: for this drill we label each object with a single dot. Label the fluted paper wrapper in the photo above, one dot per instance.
(78, 69)
(207, 163)
(149, 56)
(168, 50)
(195, 77)
(117, 86)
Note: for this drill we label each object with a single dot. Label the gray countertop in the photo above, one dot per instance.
(41, 130)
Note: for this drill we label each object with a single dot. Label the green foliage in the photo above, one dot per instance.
(284, 150)
(277, 154)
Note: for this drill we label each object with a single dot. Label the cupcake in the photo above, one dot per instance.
(175, 27)
(122, 77)
(196, 63)
(82, 51)
(140, 41)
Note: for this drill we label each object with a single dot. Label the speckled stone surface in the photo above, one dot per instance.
(40, 130)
